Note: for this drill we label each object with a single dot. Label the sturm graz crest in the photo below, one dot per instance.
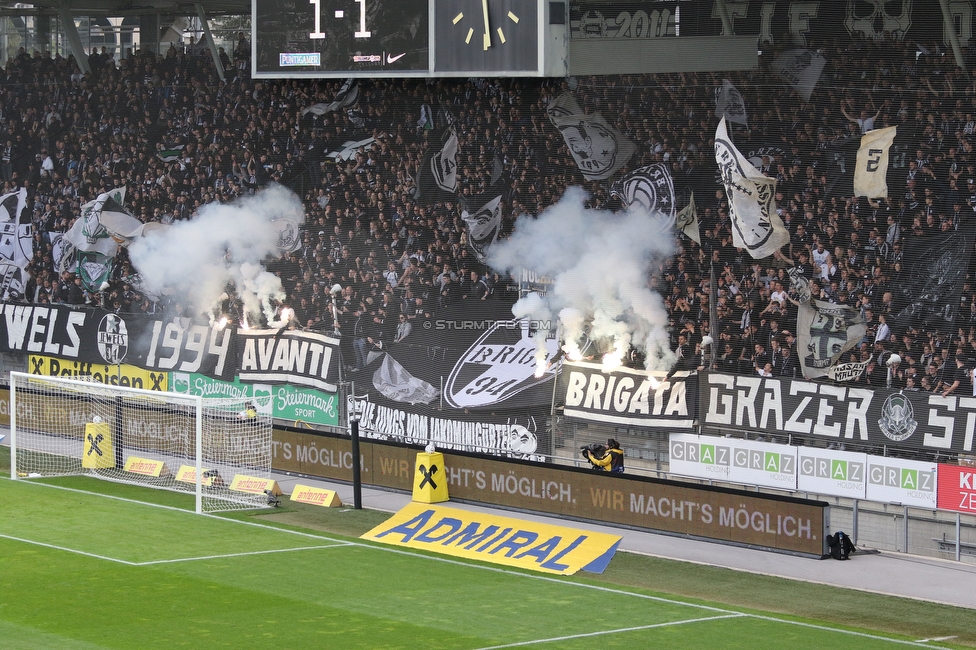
(897, 418)
(113, 339)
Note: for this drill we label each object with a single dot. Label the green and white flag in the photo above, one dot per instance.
(170, 154)
(94, 269)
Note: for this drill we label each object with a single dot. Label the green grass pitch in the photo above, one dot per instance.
(86, 564)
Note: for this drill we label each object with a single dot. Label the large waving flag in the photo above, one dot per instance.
(598, 149)
(16, 244)
(90, 245)
(801, 69)
(752, 200)
(438, 179)
(729, 104)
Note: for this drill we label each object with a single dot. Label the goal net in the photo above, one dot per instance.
(61, 427)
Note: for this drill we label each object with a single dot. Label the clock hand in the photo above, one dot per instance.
(487, 38)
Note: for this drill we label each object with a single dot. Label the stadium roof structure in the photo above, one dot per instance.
(127, 7)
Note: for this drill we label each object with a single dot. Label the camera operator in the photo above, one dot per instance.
(609, 458)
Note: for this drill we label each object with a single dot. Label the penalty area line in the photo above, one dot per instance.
(218, 557)
(635, 628)
(68, 550)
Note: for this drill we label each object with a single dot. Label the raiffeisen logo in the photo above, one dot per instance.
(500, 364)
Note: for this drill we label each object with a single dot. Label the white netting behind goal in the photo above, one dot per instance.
(68, 427)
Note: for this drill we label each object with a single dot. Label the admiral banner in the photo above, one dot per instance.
(734, 460)
(627, 396)
(501, 540)
(879, 417)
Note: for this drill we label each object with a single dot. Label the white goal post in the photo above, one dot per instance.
(170, 441)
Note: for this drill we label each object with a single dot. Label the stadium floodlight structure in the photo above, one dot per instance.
(170, 441)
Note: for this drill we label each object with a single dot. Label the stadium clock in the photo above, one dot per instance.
(336, 38)
(479, 36)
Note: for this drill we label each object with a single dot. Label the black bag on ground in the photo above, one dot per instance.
(840, 545)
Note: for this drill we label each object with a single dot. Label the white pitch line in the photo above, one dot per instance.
(68, 550)
(605, 632)
(936, 638)
(379, 547)
(827, 628)
(217, 557)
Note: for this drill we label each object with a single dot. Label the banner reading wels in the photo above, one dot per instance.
(501, 540)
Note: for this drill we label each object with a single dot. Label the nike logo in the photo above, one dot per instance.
(390, 58)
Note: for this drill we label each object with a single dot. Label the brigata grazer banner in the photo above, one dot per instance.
(837, 413)
(627, 396)
(736, 516)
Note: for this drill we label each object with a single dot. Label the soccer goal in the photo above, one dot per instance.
(170, 441)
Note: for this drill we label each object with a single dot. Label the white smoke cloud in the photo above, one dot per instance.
(599, 262)
(223, 242)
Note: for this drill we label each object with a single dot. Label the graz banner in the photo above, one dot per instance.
(736, 516)
(879, 417)
(627, 396)
(734, 460)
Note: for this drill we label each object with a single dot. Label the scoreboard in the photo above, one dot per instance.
(401, 38)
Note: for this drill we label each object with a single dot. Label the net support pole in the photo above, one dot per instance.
(13, 430)
(117, 431)
(357, 482)
(198, 454)
(958, 538)
(854, 523)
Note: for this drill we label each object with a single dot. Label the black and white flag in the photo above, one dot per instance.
(347, 96)
(16, 244)
(687, 220)
(484, 223)
(598, 149)
(438, 171)
(752, 200)
(927, 292)
(825, 331)
(801, 69)
(650, 188)
(729, 104)
(874, 162)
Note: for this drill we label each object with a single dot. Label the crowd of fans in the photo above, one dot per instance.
(374, 257)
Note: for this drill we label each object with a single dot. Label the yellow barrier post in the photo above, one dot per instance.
(98, 452)
(430, 478)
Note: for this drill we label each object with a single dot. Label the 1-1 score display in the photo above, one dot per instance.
(340, 38)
